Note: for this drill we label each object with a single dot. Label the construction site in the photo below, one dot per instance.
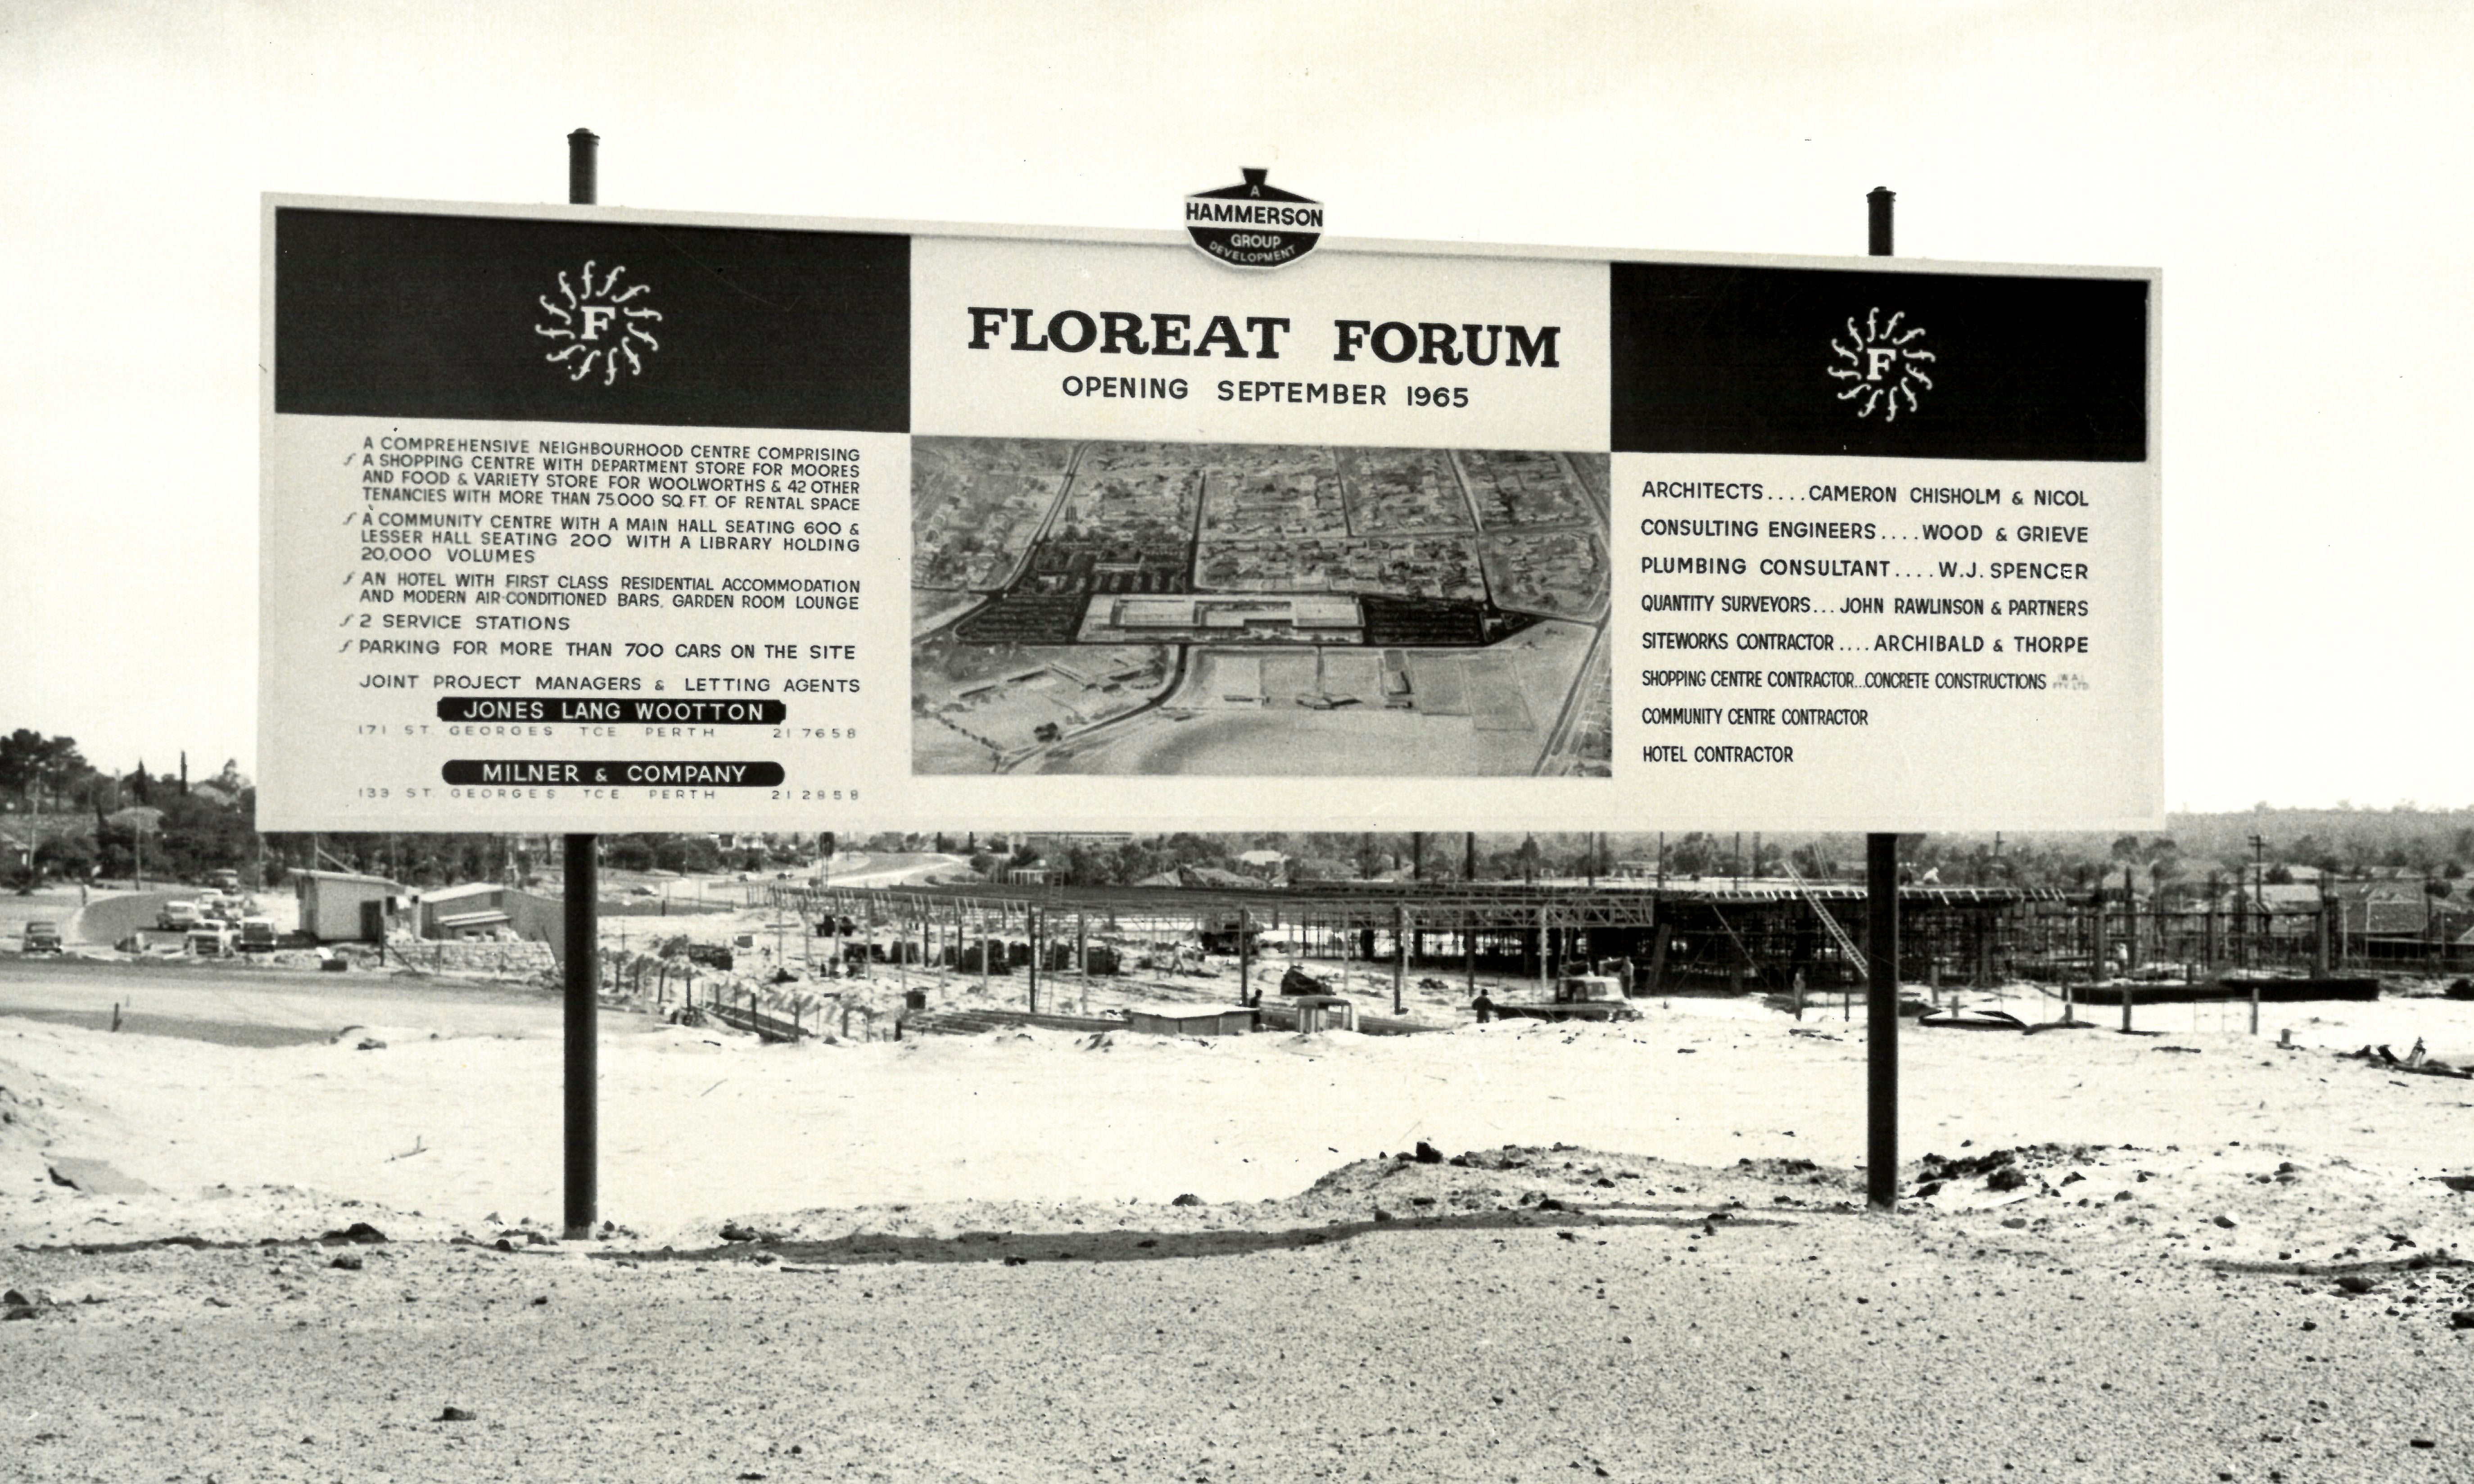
(1411, 956)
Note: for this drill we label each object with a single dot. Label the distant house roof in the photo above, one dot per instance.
(2280, 897)
(2387, 907)
(1262, 857)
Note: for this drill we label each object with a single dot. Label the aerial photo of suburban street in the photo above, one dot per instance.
(1244, 610)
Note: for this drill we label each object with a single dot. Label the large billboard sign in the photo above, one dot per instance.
(585, 519)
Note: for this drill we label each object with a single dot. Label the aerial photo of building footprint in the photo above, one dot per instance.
(1218, 610)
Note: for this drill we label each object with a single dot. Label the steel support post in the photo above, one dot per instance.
(1882, 1021)
(583, 908)
(583, 933)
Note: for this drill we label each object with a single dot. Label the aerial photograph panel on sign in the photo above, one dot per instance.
(1254, 609)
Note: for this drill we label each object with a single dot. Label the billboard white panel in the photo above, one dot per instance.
(593, 520)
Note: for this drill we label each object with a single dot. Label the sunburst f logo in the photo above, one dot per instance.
(602, 329)
(1882, 365)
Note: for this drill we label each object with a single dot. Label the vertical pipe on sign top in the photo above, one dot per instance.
(583, 184)
(1882, 928)
(583, 911)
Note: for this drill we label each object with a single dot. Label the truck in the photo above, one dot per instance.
(257, 934)
(1577, 997)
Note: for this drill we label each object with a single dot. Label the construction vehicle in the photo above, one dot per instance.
(1219, 934)
(1577, 997)
(1298, 981)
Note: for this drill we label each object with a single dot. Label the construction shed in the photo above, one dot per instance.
(1190, 1019)
(339, 907)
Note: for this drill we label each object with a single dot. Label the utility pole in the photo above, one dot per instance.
(583, 904)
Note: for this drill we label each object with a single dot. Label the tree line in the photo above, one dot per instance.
(66, 819)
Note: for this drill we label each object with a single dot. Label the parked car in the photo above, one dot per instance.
(257, 934)
(177, 917)
(1577, 997)
(225, 881)
(210, 940)
(42, 937)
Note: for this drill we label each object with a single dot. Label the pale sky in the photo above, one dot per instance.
(2300, 172)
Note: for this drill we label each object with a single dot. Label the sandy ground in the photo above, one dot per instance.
(2188, 1255)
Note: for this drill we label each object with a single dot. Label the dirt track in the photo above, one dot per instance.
(955, 1282)
(1632, 1337)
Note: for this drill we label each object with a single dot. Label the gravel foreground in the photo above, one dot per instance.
(1513, 1314)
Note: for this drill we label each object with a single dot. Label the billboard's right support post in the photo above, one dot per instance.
(1882, 923)
(1882, 1021)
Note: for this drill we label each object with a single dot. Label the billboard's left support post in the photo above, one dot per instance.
(582, 905)
(583, 936)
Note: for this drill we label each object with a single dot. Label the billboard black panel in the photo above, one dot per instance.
(1889, 365)
(388, 314)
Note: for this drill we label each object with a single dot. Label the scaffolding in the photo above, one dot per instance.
(1739, 935)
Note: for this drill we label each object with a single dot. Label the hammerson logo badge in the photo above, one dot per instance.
(1253, 225)
(1883, 365)
(602, 329)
